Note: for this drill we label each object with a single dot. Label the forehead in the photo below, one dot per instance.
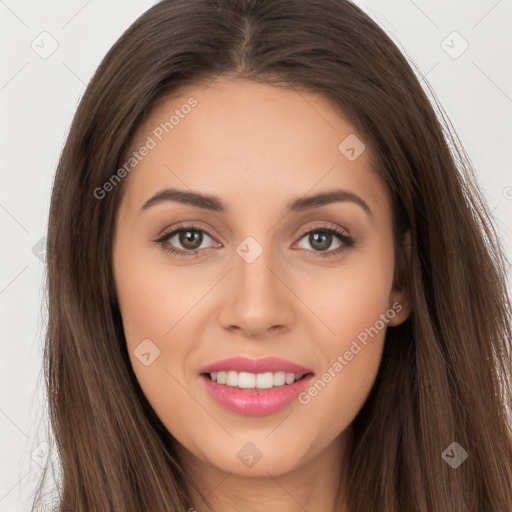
(251, 142)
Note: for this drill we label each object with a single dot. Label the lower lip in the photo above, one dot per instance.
(255, 402)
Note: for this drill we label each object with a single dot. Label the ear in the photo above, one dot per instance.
(400, 297)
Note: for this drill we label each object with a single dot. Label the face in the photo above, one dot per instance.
(250, 276)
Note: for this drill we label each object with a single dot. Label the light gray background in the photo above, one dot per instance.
(38, 97)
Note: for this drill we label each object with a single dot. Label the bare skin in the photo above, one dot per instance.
(257, 148)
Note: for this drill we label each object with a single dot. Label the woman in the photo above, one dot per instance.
(272, 285)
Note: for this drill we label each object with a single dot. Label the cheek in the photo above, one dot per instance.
(356, 301)
(153, 303)
(354, 304)
(146, 309)
(350, 298)
(153, 297)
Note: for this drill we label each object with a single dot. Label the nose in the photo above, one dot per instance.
(258, 300)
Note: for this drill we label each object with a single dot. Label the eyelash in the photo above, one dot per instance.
(347, 242)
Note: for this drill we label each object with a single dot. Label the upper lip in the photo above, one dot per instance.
(261, 365)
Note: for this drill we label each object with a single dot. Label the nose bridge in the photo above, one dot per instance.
(259, 300)
(252, 266)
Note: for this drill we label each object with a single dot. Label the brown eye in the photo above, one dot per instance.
(190, 239)
(321, 239)
(184, 241)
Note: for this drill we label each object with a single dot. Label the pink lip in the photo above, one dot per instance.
(262, 365)
(255, 402)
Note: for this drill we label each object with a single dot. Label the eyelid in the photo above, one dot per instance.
(182, 227)
(327, 226)
(303, 232)
(346, 240)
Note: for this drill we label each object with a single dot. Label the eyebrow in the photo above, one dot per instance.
(215, 204)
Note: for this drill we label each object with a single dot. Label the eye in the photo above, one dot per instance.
(321, 238)
(189, 237)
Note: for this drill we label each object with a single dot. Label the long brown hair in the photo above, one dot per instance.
(445, 375)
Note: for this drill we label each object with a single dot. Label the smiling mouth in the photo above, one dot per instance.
(252, 381)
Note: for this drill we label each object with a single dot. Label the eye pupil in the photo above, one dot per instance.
(190, 236)
(325, 242)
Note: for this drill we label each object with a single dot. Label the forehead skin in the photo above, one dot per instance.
(254, 145)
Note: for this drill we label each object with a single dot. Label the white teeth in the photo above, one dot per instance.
(265, 380)
(280, 378)
(289, 378)
(247, 380)
(232, 379)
